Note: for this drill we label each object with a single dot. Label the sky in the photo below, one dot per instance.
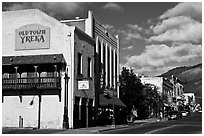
(154, 36)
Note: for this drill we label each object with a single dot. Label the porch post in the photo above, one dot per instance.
(16, 78)
(39, 110)
(55, 75)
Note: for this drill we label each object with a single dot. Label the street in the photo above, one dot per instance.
(187, 125)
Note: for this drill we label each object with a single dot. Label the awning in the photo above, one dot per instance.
(103, 101)
(106, 101)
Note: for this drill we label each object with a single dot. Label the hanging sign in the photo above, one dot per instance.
(32, 36)
(83, 85)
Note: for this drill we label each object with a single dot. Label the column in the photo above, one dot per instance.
(118, 58)
(97, 48)
(114, 70)
(102, 52)
(106, 70)
(110, 67)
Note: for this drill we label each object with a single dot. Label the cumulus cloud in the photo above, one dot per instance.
(129, 33)
(56, 9)
(179, 24)
(190, 9)
(178, 29)
(113, 7)
(160, 55)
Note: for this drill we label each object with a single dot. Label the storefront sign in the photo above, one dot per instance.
(83, 85)
(33, 36)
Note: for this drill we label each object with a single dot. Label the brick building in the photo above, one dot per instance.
(106, 63)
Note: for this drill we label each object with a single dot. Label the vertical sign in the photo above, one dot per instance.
(32, 36)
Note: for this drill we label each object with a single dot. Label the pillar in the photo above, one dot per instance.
(110, 81)
(102, 52)
(106, 70)
(97, 46)
(114, 70)
(118, 70)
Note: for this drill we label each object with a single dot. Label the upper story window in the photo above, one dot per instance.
(79, 64)
(89, 68)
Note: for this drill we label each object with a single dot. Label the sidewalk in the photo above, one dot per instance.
(107, 127)
(150, 120)
(88, 130)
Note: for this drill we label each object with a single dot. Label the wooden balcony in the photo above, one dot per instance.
(31, 86)
(27, 83)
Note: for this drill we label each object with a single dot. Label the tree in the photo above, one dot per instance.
(130, 89)
(151, 98)
(145, 98)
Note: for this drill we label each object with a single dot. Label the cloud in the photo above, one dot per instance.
(150, 70)
(135, 27)
(182, 29)
(56, 9)
(190, 9)
(113, 7)
(159, 55)
(129, 33)
(128, 48)
(132, 32)
(179, 24)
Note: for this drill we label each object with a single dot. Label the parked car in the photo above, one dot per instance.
(174, 115)
(184, 113)
(199, 111)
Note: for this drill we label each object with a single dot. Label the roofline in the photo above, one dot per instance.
(73, 20)
(85, 34)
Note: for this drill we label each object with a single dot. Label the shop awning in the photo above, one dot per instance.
(106, 101)
(103, 101)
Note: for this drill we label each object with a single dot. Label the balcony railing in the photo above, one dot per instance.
(31, 82)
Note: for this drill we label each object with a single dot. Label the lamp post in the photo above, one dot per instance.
(65, 116)
(113, 118)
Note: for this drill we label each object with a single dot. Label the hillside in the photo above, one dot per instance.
(191, 78)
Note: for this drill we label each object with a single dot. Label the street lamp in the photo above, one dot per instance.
(113, 118)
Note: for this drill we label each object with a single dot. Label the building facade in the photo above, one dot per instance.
(178, 90)
(47, 72)
(172, 88)
(189, 99)
(106, 62)
(164, 86)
